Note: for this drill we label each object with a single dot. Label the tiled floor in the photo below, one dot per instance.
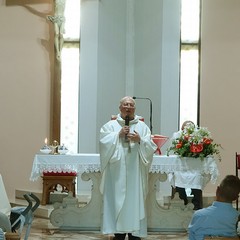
(42, 229)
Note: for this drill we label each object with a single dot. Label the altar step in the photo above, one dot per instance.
(44, 211)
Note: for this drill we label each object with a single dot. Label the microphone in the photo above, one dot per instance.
(127, 119)
(150, 109)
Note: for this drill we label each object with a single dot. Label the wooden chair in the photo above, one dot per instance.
(237, 167)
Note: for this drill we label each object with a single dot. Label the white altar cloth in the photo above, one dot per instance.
(182, 172)
(66, 163)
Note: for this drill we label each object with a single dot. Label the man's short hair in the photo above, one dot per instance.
(127, 98)
(229, 188)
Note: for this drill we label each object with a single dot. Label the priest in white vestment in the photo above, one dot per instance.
(126, 154)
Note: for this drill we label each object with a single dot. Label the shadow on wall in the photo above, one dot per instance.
(55, 71)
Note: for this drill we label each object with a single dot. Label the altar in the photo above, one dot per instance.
(173, 217)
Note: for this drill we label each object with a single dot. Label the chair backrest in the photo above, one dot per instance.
(237, 163)
(237, 167)
(5, 206)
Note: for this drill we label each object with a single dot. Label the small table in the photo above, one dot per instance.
(52, 181)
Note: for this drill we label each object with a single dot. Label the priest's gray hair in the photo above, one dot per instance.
(127, 98)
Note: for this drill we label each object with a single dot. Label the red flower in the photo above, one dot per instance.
(186, 137)
(207, 141)
(179, 145)
(196, 148)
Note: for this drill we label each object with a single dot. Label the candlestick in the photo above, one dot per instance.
(54, 147)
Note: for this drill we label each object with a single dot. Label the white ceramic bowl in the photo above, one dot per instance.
(46, 151)
(63, 151)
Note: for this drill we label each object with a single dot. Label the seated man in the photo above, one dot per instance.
(219, 219)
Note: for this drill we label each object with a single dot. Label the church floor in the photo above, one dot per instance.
(42, 229)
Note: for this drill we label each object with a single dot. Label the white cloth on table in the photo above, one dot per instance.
(172, 165)
(78, 163)
(193, 172)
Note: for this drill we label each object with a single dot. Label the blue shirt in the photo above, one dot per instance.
(219, 219)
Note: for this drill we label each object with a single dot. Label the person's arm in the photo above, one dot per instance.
(108, 144)
(146, 147)
(196, 227)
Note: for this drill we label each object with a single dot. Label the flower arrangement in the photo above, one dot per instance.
(194, 141)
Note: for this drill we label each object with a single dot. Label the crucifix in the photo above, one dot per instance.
(59, 26)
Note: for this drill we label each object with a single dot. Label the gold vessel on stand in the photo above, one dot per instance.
(54, 147)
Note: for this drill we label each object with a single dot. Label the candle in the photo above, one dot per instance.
(46, 148)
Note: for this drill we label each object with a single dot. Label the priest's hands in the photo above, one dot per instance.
(134, 137)
(125, 133)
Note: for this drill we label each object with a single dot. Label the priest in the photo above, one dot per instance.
(126, 154)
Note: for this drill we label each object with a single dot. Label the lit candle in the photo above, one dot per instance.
(45, 149)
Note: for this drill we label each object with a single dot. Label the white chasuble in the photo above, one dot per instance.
(125, 167)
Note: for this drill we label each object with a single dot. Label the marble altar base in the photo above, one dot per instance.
(68, 215)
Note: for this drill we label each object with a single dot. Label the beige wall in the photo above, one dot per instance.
(220, 71)
(25, 78)
(26, 57)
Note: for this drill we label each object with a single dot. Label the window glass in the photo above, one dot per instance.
(190, 18)
(69, 98)
(189, 85)
(70, 77)
(189, 61)
(72, 15)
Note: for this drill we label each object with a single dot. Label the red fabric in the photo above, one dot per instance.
(59, 174)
